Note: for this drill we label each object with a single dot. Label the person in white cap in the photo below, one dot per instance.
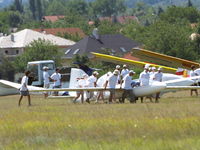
(91, 82)
(119, 75)
(197, 71)
(46, 78)
(111, 84)
(158, 77)
(81, 82)
(127, 87)
(124, 71)
(144, 77)
(152, 73)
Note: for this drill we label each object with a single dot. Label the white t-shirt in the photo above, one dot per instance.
(91, 80)
(193, 74)
(112, 81)
(197, 71)
(158, 76)
(46, 77)
(57, 77)
(24, 84)
(127, 80)
(152, 75)
(144, 78)
(124, 72)
(81, 83)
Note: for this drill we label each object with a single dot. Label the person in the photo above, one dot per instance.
(192, 74)
(91, 82)
(124, 71)
(152, 73)
(46, 78)
(80, 84)
(144, 79)
(127, 88)
(197, 71)
(24, 89)
(111, 84)
(118, 67)
(158, 77)
(56, 77)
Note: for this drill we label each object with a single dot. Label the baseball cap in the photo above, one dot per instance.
(118, 66)
(131, 71)
(124, 66)
(116, 72)
(95, 73)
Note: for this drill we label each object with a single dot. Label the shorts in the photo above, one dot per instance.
(46, 86)
(24, 93)
(55, 87)
(112, 91)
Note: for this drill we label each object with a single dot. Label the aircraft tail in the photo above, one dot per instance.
(75, 73)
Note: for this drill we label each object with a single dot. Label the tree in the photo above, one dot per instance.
(108, 7)
(18, 5)
(14, 19)
(79, 7)
(189, 3)
(39, 9)
(7, 69)
(33, 8)
(38, 50)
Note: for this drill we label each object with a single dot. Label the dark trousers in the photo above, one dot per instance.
(128, 94)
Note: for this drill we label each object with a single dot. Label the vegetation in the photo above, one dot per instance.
(38, 50)
(59, 124)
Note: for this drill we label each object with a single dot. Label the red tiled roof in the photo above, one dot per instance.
(53, 18)
(57, 31)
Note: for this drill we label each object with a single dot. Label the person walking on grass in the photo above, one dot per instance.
(24, 89)
(193, 74)
(111, 84)
(56, 77)
(46, 78)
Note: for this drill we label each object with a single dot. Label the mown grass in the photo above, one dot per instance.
(173, 124)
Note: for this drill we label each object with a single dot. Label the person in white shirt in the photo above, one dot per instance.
(144, 77)
(197, 71)
(124, 71)
(111, 84)
(56, 77)
(91, 82)
(158, 77)
(152, 73)
(81, 84)
(24, 89)
(193, 73)
(46, 78)
(127, 87)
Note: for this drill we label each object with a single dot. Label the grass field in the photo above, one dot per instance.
(57, 124)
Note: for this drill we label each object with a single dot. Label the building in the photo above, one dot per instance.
(53, 18)
(14, 44)
(114, 44)
(62, 31)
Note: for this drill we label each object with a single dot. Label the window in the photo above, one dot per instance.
(67, 51)
(6, 52)
(123, 49)
(76, 51)
(17, 51)
(51, 66)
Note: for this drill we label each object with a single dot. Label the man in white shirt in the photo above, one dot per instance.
(24, 89)
(144, 77)
(46, 78)
(56, 77)
(194, 73)
(111, 84)
(158, 77)
(124, 71)
(152, 73)
(91, 82)
(81, 83)
(197, 71)
(127, 87)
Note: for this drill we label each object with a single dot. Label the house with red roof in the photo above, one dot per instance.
(53, 18)
(62, 31)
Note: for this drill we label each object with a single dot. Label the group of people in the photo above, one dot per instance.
(121, 78)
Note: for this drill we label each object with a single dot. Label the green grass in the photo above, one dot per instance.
(173, 124)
